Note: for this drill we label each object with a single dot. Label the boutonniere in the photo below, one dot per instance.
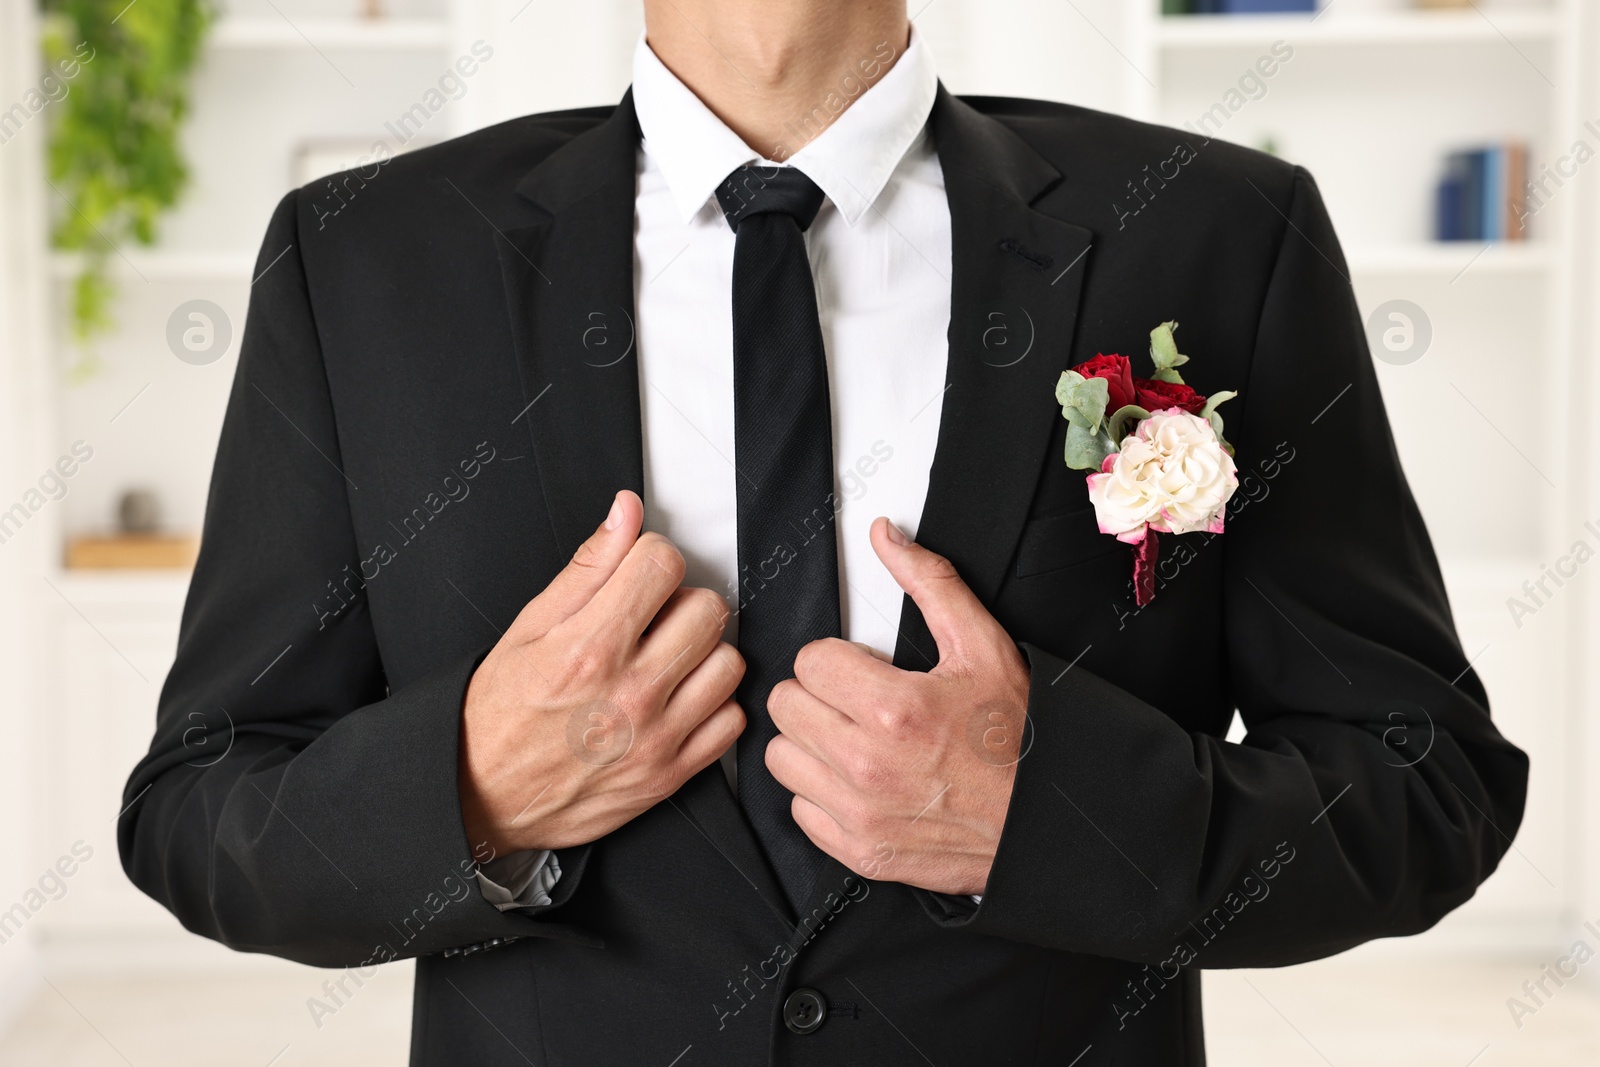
(1161, 463)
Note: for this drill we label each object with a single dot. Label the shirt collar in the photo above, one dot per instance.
(851, 160)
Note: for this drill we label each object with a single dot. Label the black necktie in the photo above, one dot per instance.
(783, 452)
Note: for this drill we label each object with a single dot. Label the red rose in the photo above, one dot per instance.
(1117, 372)
(1158, 396)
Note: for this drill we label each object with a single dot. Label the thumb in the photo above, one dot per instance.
(596, 560)
(956, 618)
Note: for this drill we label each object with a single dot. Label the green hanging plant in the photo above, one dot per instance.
(114, 159)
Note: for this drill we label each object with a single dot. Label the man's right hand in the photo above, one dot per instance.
(609, 691)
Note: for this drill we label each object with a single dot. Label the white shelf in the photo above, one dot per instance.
(1357, 28)
(121, 587)
(1450, 259)
(163, 266)
(344, 34)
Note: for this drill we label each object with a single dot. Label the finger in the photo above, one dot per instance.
(804, 775)
(956, 618)
(819, 729)
(703, 691)
(875, 653)
(824, 831)
(707, 742)
(616, 616)
(594, 562)
(844, 675)
(683, 632)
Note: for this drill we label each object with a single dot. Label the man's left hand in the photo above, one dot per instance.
(900, 775)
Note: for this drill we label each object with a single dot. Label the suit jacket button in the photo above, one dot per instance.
(804, 1011)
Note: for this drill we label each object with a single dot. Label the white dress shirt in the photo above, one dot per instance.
(880, 257)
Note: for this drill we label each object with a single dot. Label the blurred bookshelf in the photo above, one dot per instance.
(282, 90)
(1379, 100)
(1453, 261)
(1336, 27)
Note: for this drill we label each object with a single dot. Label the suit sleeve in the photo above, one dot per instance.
(290, 803)
(1371, 795)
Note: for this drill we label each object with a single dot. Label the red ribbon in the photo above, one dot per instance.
(1144, 569)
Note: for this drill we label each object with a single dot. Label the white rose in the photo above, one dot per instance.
(1172, 476)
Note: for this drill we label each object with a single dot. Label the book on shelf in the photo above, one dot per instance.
(1235, 7)
(1481, 194)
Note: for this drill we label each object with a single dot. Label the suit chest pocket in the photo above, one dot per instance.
(1056, 542)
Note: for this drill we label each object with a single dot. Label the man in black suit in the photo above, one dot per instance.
(503, 738)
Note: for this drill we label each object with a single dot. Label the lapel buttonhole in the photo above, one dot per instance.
(1038, 260)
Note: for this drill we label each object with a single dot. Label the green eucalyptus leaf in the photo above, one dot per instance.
(1209, 413)
(1122, 421)
(1214, 401)
(1083, 400)
(1165, 355)
(1065, 384)
(1163, 345)
(1086, 450)
(1216, 426)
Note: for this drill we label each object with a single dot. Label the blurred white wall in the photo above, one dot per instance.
(24, 408)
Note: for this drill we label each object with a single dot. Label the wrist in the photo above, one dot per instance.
(482, 830)
(483, 837)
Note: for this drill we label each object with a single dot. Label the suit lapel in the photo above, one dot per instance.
(570, 288)
(710, 806)
(1017, 279)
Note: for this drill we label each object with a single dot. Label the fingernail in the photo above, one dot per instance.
(614, 519)
(895, 534)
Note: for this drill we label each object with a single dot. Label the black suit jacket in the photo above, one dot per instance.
(437, 397)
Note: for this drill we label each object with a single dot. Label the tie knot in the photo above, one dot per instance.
(751, 191)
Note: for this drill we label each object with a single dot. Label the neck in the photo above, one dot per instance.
(777, 73)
